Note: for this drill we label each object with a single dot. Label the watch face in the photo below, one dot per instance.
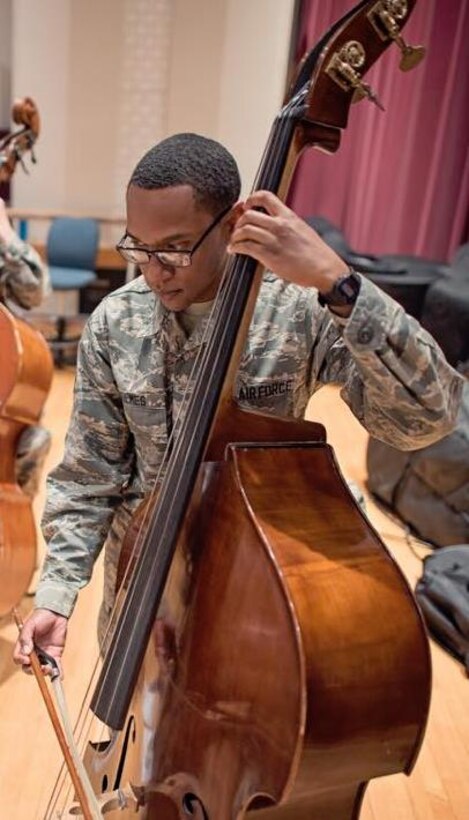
(348, 288)
(344, 291)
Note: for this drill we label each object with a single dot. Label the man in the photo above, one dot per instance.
(24, 281)
(138, 351)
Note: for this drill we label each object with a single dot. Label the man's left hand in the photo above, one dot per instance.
(285, 244)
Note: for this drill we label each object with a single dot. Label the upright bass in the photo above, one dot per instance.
(25, 378)
(268, 655)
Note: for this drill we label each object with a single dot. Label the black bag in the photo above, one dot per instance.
(443, 595)
(407, 279)
(445, 314)
(428, 488)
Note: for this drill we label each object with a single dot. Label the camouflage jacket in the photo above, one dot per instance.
(24, 277)
(135, 364)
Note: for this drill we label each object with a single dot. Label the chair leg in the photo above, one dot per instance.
(59, 353)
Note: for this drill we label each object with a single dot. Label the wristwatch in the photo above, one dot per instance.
(343, 292)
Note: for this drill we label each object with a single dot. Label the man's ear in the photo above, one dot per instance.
(233, 217)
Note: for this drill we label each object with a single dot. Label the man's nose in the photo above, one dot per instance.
(158, 271)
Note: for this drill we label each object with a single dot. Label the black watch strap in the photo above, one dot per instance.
(344, 291)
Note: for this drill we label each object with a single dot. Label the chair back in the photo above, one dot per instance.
(72, 242)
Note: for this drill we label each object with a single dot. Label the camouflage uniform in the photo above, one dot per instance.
(23, 276)
(24, 279)
(135, 363)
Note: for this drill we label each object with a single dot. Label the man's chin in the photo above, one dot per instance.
(175, 300)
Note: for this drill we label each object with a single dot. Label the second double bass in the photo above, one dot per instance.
(25, 378)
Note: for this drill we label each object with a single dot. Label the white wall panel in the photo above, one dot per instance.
(41, 69)
(113, 77)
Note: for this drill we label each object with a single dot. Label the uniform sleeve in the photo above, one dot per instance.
(84, 490)
(23, 275)
(394, 376)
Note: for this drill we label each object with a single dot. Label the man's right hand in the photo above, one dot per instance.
(45, 630)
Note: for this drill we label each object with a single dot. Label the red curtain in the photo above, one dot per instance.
(400, 180)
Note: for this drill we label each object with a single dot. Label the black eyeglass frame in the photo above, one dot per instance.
(184, 257)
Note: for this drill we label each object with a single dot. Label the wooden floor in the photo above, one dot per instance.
(438, 788)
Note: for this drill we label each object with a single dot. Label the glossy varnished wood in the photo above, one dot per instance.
(334, 685)
(25, 380)
(26, 372)
(241, 723)
(367, 675)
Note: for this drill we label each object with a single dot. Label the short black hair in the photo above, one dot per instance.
(190, 159)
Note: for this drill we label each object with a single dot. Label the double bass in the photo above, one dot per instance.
(268, 655)
(25, 378)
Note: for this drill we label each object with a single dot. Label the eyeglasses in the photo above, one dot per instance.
(169, 258)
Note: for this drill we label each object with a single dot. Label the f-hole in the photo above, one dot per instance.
(190, 803)
(130, 735)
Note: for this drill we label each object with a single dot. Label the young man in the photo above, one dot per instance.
(24, 280)
(138, 351)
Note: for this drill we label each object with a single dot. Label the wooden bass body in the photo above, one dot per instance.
(289, 664)
(25, 378)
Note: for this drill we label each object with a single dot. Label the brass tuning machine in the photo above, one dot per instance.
(386, 17)
(344, 68)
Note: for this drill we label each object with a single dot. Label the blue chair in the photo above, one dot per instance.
(72, 248)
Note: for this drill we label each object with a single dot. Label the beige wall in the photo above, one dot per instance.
(95, 76)
(113, 77)
(227, 75)
(41, 69)
(196, 58)
(254, 68)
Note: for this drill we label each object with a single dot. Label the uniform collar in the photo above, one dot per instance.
(156, 321)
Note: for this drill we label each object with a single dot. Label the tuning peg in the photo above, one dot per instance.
(365, 91)
(411, 56)
(386, 17)
(344, 68)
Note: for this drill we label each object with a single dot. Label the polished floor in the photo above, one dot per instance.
(438, 788)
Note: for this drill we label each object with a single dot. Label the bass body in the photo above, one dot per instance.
(289, 664)
(25, 379)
